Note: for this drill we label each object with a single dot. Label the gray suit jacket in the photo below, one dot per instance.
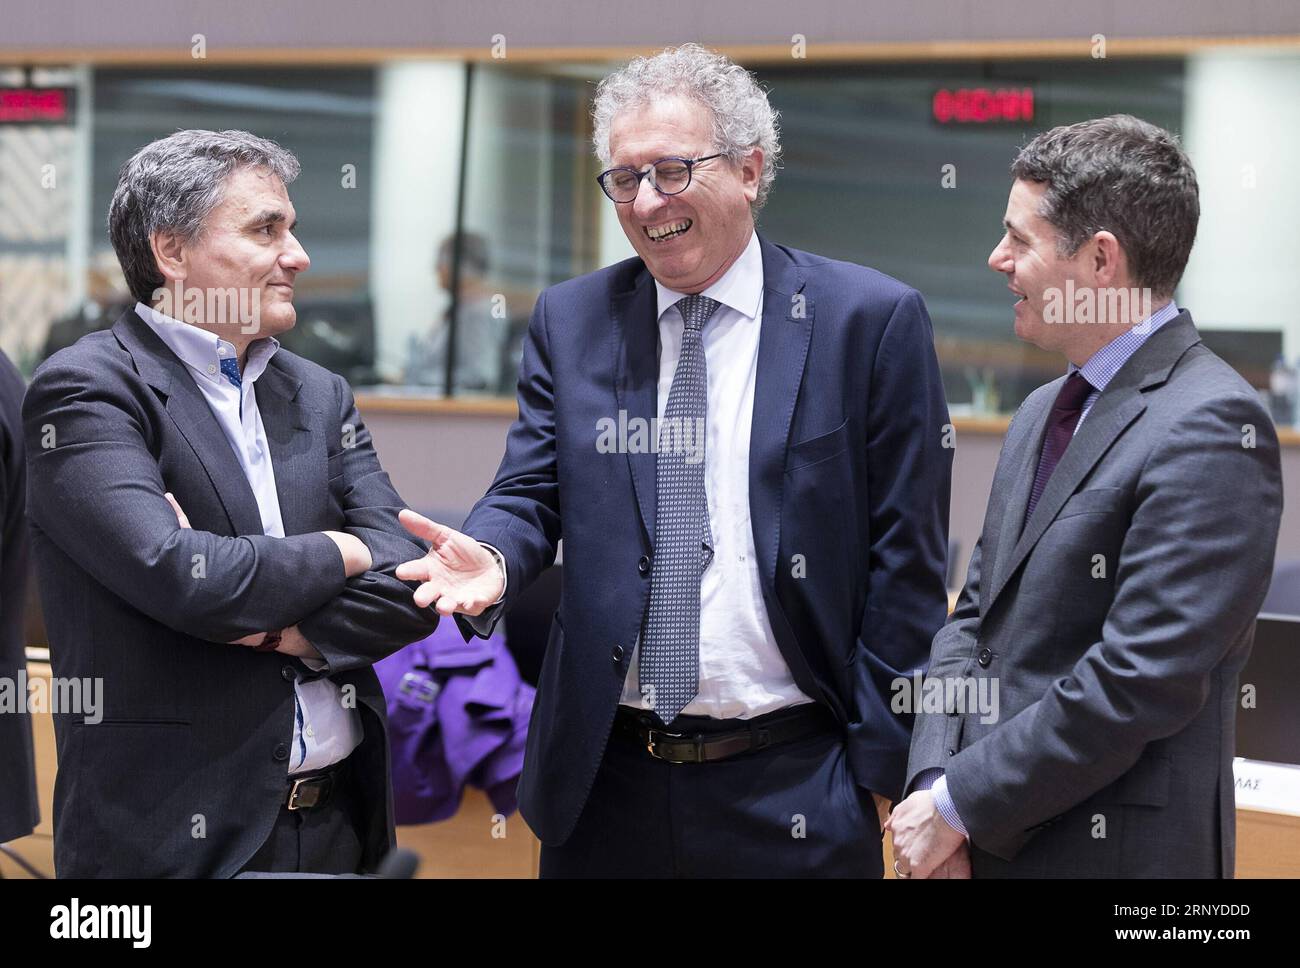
(186, 772)
(1115, 625)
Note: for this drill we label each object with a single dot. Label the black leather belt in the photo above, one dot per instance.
(715, 743)
(315, 789)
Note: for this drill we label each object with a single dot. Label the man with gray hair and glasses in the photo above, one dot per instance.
(1126, 550)
(741, 445)
(215, 542)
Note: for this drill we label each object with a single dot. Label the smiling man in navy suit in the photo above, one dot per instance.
(742, 448)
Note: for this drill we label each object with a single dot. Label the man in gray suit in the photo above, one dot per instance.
(216, 539)
(1110, 602)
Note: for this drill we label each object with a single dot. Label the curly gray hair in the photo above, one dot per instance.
(742, 117)
(174, 183)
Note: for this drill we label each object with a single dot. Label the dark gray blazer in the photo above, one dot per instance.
(19, 809)
(1112, 753)
(186, 773)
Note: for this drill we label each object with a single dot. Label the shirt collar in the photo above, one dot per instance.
(202, 351)
(1102, 367)
(740, 288)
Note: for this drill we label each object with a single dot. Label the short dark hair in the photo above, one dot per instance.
(1125, 176)
(175, 183)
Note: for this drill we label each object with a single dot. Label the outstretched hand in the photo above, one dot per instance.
(457, 575)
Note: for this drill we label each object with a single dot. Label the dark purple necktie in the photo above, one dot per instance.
(1060, 429)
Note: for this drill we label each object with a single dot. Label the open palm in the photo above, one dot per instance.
(457, 575)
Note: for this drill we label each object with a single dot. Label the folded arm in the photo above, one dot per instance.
(95, 489)
(374, 615)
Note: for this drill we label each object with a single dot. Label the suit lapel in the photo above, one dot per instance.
(162, 370)
(782, 353)
(1118, 406)
(1110, 416)
(298, 456)
(636, 383)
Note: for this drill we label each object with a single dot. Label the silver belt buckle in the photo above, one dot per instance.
(293, 794)
(650, 745)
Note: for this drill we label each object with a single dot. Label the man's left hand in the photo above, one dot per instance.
(293, 642)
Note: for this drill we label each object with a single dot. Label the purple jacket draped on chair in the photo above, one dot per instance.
(457, 714)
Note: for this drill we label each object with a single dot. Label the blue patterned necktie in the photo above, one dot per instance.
(670, 642)
(230, 367)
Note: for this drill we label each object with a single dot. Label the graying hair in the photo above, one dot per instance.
(742, 117)
(1125, 176)
(173, 184)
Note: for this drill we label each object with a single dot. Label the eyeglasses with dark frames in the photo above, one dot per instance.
(668, 176)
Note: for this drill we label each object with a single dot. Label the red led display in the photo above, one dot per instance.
(982, 105)
(30, 105)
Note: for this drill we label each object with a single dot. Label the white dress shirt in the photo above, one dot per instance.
(324, 730)
(742, 673)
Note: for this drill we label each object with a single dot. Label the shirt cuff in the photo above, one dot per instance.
(947, 809)
(486, 620)
(505, 576)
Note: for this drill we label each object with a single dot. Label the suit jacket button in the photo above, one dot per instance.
(985, 658)
(286, 673)
(643, 565)
(952, 752)
(617, 654)
(281, 751)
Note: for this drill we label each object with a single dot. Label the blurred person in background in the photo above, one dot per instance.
(481, 325)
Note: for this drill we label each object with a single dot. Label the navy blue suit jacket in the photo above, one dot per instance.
(848, 490)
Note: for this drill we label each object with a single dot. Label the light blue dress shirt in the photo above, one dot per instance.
(325, 731)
